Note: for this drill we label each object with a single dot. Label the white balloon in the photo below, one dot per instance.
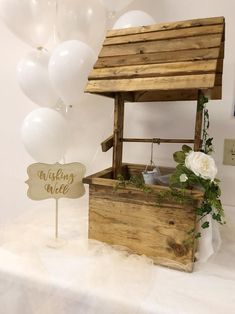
(133, 19)
(69, 66)
(31, 20)
(45, 135)
(33, 78)
(81, 20)
(116, 5)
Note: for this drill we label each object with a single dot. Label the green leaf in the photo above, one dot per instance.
(193, 179)
(186, 148)
(209, 141)
(179, 157)
(205, 225)
(199, 211)
(180, 168)
(217, 217)
(198, 235)
(216, 203)
(174, 179)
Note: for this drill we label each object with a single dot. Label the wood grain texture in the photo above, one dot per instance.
(197, 42)
(157, 62)
(201, 81)
(165, 34)
(166, 26)
(132, 219)
(160, 57)
(174, 95)
(118, 134)
(154, 70)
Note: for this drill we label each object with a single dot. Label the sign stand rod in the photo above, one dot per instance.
(56, 218)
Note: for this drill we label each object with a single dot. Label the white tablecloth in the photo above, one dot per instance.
(90, 278)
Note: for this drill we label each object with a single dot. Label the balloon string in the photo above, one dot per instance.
(55, 33)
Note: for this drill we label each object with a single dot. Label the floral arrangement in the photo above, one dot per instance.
(199, 170)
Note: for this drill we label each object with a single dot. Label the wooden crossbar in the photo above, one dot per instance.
(158, 140)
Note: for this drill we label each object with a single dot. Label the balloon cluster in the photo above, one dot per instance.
(50, 79)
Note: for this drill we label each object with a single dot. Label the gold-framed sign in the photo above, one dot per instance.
(55, 181)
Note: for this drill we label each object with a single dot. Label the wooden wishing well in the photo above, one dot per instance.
(163, 62)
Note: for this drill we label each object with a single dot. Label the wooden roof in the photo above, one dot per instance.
(160, 62)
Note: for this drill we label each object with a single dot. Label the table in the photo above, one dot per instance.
(87, 277)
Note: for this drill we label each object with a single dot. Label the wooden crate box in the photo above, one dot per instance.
(132, 218)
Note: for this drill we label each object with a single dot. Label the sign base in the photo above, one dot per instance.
(56, 243)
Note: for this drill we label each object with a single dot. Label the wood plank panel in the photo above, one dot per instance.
(159, 57)
(149, 70)
(197, 42)
(166, 26)
(103, 178)
(158, 232)
(174, 95)
(138, 197)
(97, 181)
(155, 83)
(166, 34)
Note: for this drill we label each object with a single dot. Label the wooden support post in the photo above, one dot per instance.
(198, 124)
(118, 134)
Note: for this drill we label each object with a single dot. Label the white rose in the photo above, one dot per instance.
(201, 164)
(183, 177)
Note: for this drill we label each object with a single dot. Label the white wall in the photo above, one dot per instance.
(92, 120)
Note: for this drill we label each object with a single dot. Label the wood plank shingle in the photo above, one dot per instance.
(150, 60)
